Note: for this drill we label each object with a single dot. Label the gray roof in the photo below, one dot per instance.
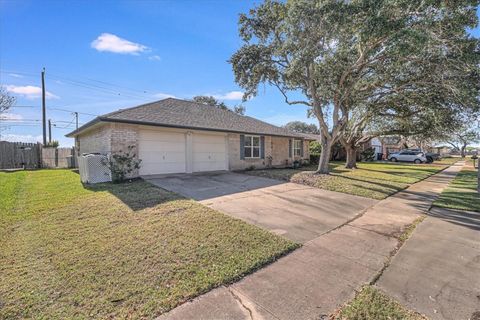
(178, 113)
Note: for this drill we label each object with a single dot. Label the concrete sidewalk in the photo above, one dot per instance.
(437, 272)
(322, 275)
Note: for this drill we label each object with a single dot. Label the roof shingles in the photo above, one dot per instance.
(173, 112)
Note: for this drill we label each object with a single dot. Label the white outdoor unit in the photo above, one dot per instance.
(92, 168)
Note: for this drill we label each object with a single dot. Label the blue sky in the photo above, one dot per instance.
(104, 55)
(146, 49)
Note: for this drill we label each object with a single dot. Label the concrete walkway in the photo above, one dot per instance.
(437, 271)
(322, 275)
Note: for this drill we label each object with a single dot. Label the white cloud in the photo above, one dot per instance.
(112, 43)
(154, 58)
(30, 92)
(15, 75)
(232, 95)
(21, 137)
(162, 95)
(11, 116)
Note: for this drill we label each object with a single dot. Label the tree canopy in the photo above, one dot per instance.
(6, 100)
(352, 62)
(212, 101)
(303, 127)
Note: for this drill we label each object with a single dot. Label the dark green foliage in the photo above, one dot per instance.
(212, 101)
(303, 127)
(52, 144)
(121, 164)
(411, 65)
(368, 155)
(315, 147)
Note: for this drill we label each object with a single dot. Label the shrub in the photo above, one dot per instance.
(368, 155)
(122, 164)
(315, 147)
(52, 144)
(314, 158)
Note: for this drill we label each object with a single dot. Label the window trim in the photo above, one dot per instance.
(251, 147)
(299, 149)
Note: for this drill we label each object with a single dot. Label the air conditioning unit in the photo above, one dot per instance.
(93, 168)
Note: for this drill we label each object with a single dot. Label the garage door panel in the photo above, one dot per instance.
(209, 153)
(150, 135)
(214, 147)
(161, 152)
(150, 146)
(166, 167)
(154, 156)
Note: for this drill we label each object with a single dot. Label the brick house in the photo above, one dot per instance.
(179, 136)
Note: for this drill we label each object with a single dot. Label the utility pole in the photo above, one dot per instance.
(44, 124)
(49, 131)
(76, 119)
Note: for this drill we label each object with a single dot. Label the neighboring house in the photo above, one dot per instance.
(442, 150)
(179, 136)
(387, 144)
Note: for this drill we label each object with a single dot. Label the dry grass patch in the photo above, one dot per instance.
(114, 251)
(372, 304)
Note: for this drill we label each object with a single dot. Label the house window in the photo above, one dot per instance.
(297, 148)
(252, 147)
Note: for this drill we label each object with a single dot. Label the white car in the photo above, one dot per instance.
(414, 156)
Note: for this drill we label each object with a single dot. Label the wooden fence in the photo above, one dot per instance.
(14, 155)
(58, 157)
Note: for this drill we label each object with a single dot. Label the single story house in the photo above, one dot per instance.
(180, 136)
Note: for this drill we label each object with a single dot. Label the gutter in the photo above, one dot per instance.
(155, 124)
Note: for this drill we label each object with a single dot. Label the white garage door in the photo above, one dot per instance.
(209, 152)
(161, 152)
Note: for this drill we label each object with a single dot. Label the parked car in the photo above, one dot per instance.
(429, 155)
(408, 156)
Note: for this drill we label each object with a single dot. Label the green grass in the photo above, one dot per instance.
(372, 304)
(461, 193)
(448, 160)
(376, 180)
(114, 251)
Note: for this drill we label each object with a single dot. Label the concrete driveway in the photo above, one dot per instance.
(298, 212)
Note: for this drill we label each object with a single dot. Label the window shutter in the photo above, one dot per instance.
(242, 146)
(301, 148)
(262, 147)
(290, 147)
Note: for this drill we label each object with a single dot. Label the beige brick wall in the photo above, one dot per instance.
(275, 147)
(95, 140)
(123, 136)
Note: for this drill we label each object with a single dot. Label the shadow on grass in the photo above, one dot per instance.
(136, 194)
(462, 218)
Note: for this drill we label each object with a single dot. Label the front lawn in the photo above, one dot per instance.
(375, 180)
(461, 193)
(371, 303)
(114, 251)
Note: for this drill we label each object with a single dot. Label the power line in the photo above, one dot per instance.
(58, 109)
(93, 84)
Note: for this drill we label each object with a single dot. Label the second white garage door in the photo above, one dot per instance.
(209, 152)
(161, 152)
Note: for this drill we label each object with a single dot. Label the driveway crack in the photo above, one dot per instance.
(236, 297)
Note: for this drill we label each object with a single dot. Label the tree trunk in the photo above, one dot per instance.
(351, 151)
(478, 174)
(462, 152)
(325, 155)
